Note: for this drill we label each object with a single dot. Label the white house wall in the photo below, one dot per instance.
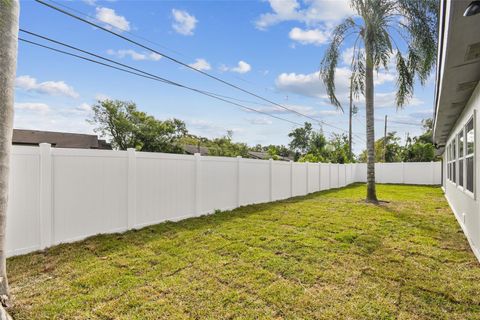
(465, 207)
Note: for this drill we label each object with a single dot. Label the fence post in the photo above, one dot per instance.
(403, 172)
(198, 203)
(239, 160)
(319, 176)
(291, 178)
(307, 174)
(47, 236)
(338, 175)
(132, 188)
(329, 176)
(432, 165)
(271, 179)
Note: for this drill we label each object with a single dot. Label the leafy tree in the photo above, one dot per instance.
(225, 147)
(392, 149)
(421, 148)
(301, 137)
(419, 152)
(130, 128)
(310, 157)
(9, 15)
(338, 150)
(374, 26)
(312, 146)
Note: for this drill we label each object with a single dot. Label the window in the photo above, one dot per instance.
(469, 156)
(461, 155)
(454, 161)
(449, 157)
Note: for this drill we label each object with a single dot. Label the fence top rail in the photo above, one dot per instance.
(158, 155)
(25, 150)
(69, 152)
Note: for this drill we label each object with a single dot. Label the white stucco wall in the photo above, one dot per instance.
(466, 207)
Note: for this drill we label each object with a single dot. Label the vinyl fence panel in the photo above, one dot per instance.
(63, 195)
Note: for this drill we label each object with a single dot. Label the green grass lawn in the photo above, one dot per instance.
(324, 256)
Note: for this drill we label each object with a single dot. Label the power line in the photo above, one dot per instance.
(145, 39)
(158, 79)
(183, 63)
(143, 74)
(396, 121)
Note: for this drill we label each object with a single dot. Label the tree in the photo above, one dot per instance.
(301, 138)
(374, 46)
(9, 15)
(339, 149)
(390, 147)
(421, 148)
(225, 147)
(130, 128)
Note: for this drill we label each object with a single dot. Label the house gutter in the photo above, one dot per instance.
(440, 57)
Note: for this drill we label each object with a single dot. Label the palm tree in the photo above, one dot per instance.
(9, 13)
(381, 26)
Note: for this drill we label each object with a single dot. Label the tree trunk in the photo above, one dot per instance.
(369, 96)
(350, 154)
(9, 14)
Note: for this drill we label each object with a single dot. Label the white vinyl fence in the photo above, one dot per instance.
(63, 195)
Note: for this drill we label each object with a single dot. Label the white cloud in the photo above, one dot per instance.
(101, 97)
(201, 64)
(387, 100)
(313, 12)
(306, 110)
(242, 67)
(32, 106)
(311, 85)
(312, 36)
(40, 116)
(57, 88)
(84, 107)
(383, 77)
(110, 17)
(184, 22)
(308, 85)
(137, 56)
(209, 129)
(260, 121)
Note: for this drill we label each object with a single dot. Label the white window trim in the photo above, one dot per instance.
(449, 155)
(473, 155)
(462, 158)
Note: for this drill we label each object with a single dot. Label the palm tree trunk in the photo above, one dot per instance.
(369, 96)
(350, 154)
(9, 14)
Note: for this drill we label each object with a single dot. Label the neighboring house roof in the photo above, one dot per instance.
(58, 139)
(265, 156)
(458, 66)
(191, 149)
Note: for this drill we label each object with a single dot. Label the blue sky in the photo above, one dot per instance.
(272, 48)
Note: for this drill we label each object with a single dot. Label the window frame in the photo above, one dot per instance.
(472, 155)
(461, 158)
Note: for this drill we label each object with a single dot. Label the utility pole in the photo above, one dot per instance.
(385, 141)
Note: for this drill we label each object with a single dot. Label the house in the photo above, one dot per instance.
(457, 104)
(58, 139)
(192, 149)
(262, 155)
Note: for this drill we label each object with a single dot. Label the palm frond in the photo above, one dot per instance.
(330, 60)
